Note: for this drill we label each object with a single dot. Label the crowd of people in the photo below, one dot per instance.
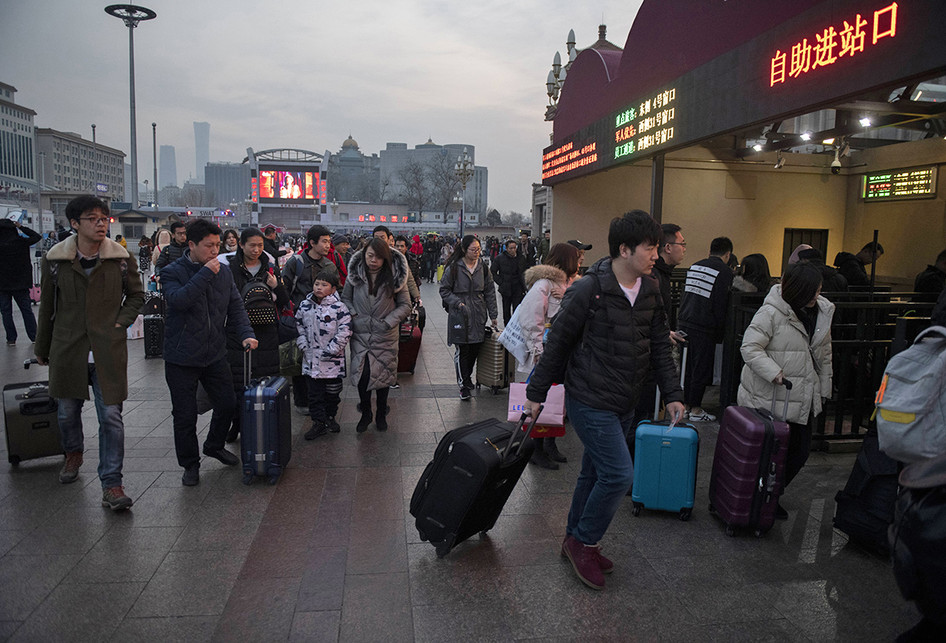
(603, 331)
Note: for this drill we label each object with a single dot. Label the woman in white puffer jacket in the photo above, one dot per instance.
(790, 338)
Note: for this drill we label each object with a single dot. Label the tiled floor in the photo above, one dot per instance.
(331, 553)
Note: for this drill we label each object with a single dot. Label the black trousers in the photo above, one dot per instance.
(464, 359)
(324, 396)
(510, 303)
(300, 391)
(799, 447)
(365, 395)
(182, 383)
(700, 359)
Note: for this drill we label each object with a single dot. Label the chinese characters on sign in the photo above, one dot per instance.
(906, 184)
(646, 125)
(830, 45)
(567, 158)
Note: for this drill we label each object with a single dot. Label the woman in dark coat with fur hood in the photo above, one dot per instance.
(251, 263)
(376, 295)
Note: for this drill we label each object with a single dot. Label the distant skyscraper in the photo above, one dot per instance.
(202, 145)
(167, 166)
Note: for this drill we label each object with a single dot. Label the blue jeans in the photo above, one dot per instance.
(111, 432)
(22, 299)
(606, 469)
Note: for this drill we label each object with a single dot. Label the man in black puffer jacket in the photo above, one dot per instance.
(610, 331)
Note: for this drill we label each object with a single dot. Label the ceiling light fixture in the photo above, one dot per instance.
(828, 141)
(865, 121)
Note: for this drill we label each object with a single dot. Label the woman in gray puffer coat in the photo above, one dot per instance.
(376, 295)
(469, 296)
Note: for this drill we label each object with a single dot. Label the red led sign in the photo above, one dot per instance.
(830, 45)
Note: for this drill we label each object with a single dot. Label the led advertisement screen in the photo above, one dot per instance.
(290, 186)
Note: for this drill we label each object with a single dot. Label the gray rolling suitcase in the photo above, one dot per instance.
(31, 422)
(494, 366)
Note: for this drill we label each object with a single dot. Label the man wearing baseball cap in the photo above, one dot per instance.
(581, 250)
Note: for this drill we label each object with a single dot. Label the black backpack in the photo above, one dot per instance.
(259, 303)
(866, 504)
(918, 538)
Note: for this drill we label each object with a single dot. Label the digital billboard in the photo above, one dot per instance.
(290, 185)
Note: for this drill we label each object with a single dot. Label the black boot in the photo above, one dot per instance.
(381, 419)
(365, 420)
(540, 457)
(552, 450)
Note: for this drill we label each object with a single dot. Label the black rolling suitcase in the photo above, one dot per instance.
(31, 421)
(464, 488)
(154, 336)
(265, 426)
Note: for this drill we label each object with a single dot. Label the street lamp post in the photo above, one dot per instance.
(154, 144)
(95, 153)
(464, 171)
(131, 15)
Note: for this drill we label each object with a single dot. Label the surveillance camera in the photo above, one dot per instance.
(836, 166)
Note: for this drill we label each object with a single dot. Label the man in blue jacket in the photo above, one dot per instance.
(610, 332)
(202, 302)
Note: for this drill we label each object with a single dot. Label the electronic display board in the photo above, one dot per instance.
(832, 52)
(917, 183)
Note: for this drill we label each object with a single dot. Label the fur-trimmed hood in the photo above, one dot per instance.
(359, 270)
(544, 271)
(66, 250)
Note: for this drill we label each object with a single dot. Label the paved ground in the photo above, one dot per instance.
(331, 553)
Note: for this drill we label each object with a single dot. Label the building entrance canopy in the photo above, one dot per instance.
(692, 70)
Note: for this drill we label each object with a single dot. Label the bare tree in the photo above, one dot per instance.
(515, 219)
(493, 217)
(444, 184)
(384, 187)
(416, 187)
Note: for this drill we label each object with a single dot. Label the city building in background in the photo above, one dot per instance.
(67, 165)
(17, 144)
(167, 166)
(227, 183)
(202, 147)
(353, 176)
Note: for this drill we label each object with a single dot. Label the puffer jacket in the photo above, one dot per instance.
(601, 347)
(201, 307)
(375, 321)
(851, 269)
(16, 271)
(776, 341)
(324, 330)
(475, 290)
(542, 302)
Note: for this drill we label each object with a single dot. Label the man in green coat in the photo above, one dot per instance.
(91, 293)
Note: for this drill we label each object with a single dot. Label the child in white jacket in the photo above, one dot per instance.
(324, 325)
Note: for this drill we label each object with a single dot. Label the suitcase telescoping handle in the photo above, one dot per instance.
(788, 394)
(519, 425)
(247, 365)
(28, 362)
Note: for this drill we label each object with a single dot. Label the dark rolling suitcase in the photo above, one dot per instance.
(464, 488)
(154, 336)
(494, 367)
(749, 467)
(266, 426)
(32, 426)
(154, 304)
(408, 345)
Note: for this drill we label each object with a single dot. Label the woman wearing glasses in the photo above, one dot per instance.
(470, 299)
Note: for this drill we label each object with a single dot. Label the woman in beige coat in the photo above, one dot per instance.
(790, 338)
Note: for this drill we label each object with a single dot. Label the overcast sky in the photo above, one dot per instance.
(304, 73)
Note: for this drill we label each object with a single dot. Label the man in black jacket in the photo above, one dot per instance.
(931, 281)
(507, 273)
(611, 330)
(703, 309)
(174, 250)
(271, 245)
(853, 266)
(16, 277)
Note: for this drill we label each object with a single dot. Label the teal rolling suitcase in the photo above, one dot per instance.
(665, 467)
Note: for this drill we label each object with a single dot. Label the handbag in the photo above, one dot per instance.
(290, 359)
(553, 411)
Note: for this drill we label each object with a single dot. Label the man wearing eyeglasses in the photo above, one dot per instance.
(672, 251)
(89, 297)
(174, 250)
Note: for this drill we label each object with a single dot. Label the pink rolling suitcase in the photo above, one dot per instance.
(749, 467)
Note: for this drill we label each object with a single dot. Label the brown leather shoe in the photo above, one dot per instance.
(70, 468)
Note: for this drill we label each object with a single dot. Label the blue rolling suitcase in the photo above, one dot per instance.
(665, 465)
(266, 426)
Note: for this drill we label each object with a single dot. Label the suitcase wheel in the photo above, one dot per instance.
(685, 514)
(411, 371)
(757, 533)
(248, 478)
(273, 480)
(14, 460)
(494, 389)
(730, 531)
(637, 508)
(442, 550)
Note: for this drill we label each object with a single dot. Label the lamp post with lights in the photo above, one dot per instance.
(131, 15)
(464, 171)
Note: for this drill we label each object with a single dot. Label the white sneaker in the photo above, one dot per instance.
(702, 416)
